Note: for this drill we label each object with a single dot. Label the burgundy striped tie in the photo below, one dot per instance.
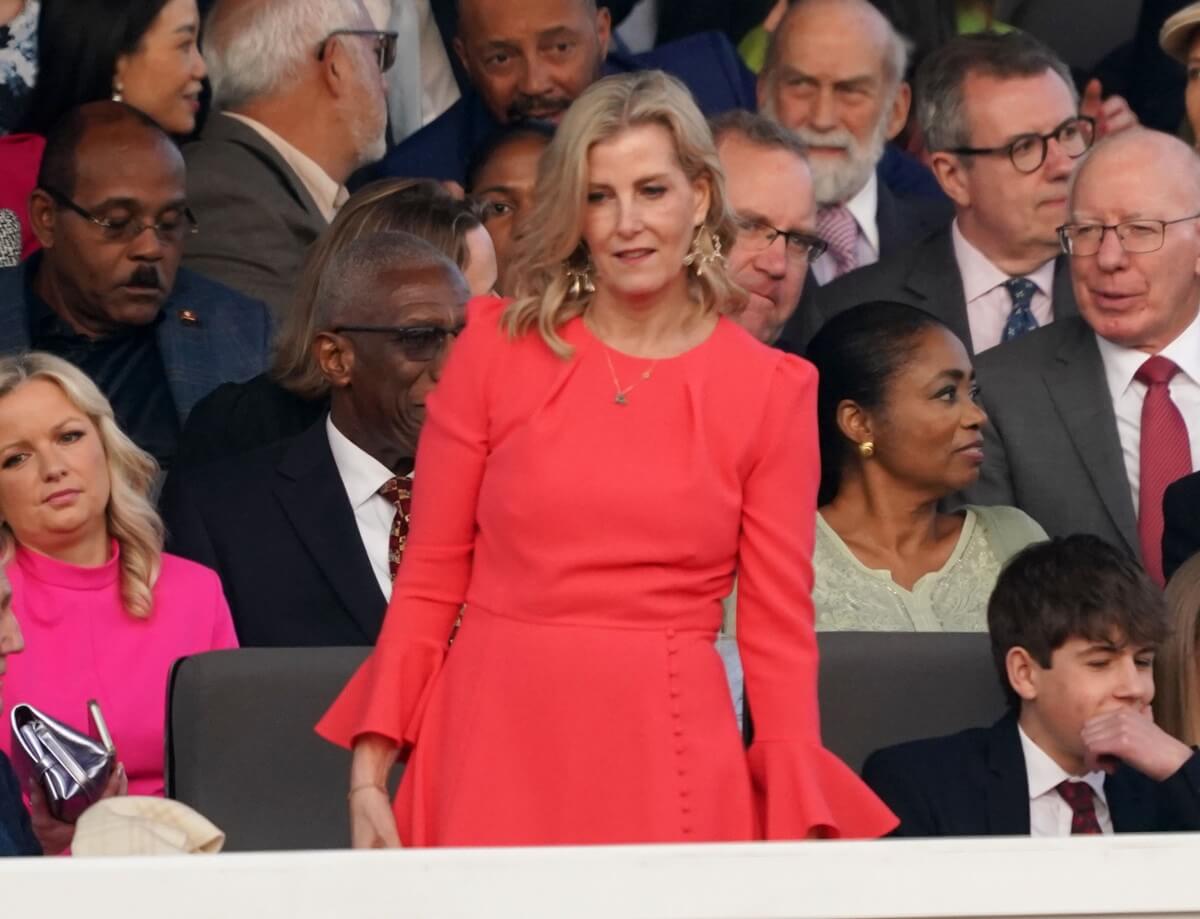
(836, 225)
(1165, 455)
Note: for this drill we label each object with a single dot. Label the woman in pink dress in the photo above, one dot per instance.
(105, 613)
(600, 456)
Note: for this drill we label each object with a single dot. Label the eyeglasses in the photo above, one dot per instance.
(171, 226)
(800, 247)
(1134, 235)
(385, 45)
(419, 343)
(1028, 151)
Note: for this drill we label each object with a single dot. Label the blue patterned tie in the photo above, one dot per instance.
(1021, 319)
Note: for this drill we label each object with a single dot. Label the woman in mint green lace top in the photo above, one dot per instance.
(901, 433)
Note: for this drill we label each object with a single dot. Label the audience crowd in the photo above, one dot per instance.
(588, 386)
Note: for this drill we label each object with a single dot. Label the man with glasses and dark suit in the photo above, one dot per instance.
(106, 292)
(1000, 115)
(1095, 416)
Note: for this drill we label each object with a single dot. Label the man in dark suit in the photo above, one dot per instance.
(292, 119)
(834, 76)
(106, 291)
(1074, 625)
(1093, 416)
(1181, 523)
(306, 533)
(525, 64)
(998, 270)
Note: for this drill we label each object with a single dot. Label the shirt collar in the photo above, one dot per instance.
(1045, 775)
(327, 193)
(1121, 363)
(980, 276)
(362, 474)
(864, 208)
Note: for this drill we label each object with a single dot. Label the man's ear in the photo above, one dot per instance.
(950, 170)
(1023, 673)
(42, 218)
(898, 116)
(337, 66)
(334, 354)
(604, 30)
(461, 50)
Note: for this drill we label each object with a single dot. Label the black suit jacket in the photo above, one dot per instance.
(924, 275)
(16, 834)
(1181, 522)
(974, 783)
(278, 528)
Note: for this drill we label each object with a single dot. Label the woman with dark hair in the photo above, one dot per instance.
(142, 52)
(900, 430)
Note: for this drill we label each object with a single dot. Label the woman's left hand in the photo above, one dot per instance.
(53, 834)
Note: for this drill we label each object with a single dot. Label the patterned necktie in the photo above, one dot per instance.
(1021, 319)
(1082, 801)
(836, 225)
(1165, 456)
(398, 490)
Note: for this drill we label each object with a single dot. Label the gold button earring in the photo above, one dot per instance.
(866, 449)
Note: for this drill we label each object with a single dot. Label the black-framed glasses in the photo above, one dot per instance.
(1027, 152)
(418, 342)
(1135, 236)
(385, 45)
(171, 225)
(758, 236)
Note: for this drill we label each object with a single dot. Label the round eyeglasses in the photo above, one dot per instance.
(1027, 152)
(800, 247)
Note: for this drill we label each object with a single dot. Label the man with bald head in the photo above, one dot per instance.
(530, 60)
(306, 533)
(1094, 416)
(106, 292)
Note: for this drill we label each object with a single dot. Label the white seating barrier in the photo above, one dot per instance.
(1097, 876)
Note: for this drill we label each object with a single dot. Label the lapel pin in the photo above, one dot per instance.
(188, 317)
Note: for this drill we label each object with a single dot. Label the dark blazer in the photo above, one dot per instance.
(974, 784)
(236, 418)
(223, 336)
(925, 275)
(1181, 522)
(16, 833)
(277, 526)
(706, 63)
(256, 218)
(1051, 447)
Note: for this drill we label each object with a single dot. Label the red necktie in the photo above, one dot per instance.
(1165, 456)
(1082, 801)
(398, 490)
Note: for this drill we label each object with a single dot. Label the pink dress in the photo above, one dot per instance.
(80, 644)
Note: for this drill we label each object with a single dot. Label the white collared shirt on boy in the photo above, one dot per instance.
(1049, 813)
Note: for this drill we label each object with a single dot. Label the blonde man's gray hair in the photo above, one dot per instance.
(551, 241)
(131, 518)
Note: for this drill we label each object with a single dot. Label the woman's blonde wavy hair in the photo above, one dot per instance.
(421, 207)
(550, 242)
(132, 520)
(1177, 663)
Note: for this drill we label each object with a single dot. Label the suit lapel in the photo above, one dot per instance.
(1131, 802)
(188, 354)
(1077, 387)
(309, 488)
(887, 220)
(936, 280)
(1007, 786)
(1062, 298)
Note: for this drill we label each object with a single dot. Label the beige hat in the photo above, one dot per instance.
(1177, 32)
(143, 826)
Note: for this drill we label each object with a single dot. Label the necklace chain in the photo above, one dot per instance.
(622, 393)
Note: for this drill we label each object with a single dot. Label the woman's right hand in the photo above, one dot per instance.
(372, 823)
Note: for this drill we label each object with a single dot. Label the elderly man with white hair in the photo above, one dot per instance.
(299, 104)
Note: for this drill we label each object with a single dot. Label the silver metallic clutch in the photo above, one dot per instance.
(72, 768)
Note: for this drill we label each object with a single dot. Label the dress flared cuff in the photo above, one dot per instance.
(803, 791)
(387, 695)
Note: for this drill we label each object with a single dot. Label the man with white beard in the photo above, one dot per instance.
(834, 76)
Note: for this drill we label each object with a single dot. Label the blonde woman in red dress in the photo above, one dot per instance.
(600, 456)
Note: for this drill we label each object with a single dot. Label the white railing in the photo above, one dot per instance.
(1098, 876)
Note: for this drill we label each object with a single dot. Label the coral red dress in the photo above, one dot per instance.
(582, 699)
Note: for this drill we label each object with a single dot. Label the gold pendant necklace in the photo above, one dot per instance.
(622, 396)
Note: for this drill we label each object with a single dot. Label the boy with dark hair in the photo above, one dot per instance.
(1074, 625)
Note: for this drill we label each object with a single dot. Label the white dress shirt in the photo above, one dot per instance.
(363, 476)
(1120, 364)
(989, 303)
(327, 193)
(1049, 814)
(864, 208)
